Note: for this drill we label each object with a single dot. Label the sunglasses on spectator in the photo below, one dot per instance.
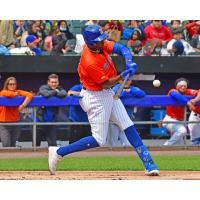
(12, 84)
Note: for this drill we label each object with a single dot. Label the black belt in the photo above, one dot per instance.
(84, 88)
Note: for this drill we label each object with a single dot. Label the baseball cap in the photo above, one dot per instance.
(178, 45)
(32, 38)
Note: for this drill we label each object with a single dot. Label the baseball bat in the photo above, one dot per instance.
(119, 91)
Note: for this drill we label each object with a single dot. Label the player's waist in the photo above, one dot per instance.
(95, 90)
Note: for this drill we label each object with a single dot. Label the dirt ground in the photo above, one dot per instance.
(99, 175)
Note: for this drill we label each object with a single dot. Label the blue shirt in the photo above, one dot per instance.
(37, 51)
(76, 113)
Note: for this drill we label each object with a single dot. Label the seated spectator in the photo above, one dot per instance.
(175, 24)
(7, 33)
(193, 28)
(49, 114)
(32, 43)
(195, 41)
(10, 134)
(176, 113)
(158, 31)
(59, 42)
(63, 27)
(136, 35)
(20, 28)
(136, 48)
(48, 43)
(117, 137)
(104, 25)
(178, 46)
(116, 25)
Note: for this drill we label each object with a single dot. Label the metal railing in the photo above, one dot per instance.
(148, 101)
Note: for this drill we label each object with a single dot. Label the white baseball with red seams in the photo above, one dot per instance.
(156, 83)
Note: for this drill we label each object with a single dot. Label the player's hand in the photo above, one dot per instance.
(130, 71)
(131, 64)
(190, 105)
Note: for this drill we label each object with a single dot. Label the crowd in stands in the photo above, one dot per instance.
(62, 37)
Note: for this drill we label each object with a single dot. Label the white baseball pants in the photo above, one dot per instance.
(101, 109)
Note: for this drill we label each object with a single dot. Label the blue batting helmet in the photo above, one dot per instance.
(93, 34)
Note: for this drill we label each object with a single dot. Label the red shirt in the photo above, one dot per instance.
(162, 33)
(94, 69)
(177, 112)
(191, 28)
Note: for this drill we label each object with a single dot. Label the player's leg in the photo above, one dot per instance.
(99, 109)
(194, 129)
(120, 117)
(178, 133)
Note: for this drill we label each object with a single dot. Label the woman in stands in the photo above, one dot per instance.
(9, 134)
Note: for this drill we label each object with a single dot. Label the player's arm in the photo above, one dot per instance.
(111, 81)
(196, 99)
(46, 92)
(181, 98)
(125, 52)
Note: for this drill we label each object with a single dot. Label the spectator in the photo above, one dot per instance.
(193, 28)
(176, 113)
(116, 135)
(104, 25)
(195, 41)
(175, 24)
(10, 134)
(178, 46)
(63, 27)
(20, 28)
(158, 31)
(7, 33)
(195, 117)
(116, 25)
(32, 43)
(48, 41)
(49, 114)
(136, 41)
(59, 43)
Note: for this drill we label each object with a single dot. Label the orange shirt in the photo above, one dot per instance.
(94, 69)
(177, 112)
(11, 114)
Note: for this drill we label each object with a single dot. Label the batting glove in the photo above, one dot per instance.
(131, 64)
(130, 71)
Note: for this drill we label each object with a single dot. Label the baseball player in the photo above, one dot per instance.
(116, 137)
(98, 74)
(176, 113)
(195, 116)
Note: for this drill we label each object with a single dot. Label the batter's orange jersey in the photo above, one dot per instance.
(177, 112)
(94, 69)
(11, 113)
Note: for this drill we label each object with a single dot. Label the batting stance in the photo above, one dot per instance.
(98, 74)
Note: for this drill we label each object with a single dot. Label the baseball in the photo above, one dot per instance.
(156, 83)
